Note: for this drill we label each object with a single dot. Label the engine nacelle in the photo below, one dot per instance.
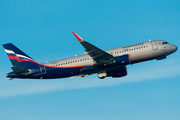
(117, 73)
(123, 59)
(120, 61)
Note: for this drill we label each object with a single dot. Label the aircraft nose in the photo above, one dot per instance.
(174, 48)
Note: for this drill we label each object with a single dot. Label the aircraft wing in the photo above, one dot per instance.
(96, 54)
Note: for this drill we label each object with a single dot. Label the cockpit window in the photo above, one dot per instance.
(165, 43)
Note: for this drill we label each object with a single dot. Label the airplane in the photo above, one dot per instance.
(109, 63)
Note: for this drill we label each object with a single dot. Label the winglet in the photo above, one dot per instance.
(78, 37)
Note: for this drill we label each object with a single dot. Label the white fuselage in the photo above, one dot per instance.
(138, 52)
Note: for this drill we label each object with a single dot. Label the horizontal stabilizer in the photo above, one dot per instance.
(20, 71)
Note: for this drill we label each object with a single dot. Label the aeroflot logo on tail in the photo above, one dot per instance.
(12, 55)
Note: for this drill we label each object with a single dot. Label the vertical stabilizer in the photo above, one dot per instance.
(18, 57)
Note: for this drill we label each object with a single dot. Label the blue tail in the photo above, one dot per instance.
(19, 58)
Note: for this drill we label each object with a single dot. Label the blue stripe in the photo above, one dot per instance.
(11, 54)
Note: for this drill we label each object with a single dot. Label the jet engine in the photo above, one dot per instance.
(121, 72)
(123, 59)
(120, 61)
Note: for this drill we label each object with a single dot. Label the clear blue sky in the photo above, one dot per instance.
(43, 30)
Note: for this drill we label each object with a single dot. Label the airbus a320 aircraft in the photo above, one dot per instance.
(109, 63)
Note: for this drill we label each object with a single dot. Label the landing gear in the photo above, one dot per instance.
(102, 74)
(101, 77)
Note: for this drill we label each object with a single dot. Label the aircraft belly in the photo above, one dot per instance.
(61, 73)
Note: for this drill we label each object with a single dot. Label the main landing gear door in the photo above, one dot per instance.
(154, 45)
(42, 69)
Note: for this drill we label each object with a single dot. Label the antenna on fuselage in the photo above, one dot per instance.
(75, 55)
(149, 40)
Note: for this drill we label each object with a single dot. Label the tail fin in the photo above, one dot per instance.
(19, 58)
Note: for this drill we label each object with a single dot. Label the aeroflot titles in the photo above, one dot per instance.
(133, 45)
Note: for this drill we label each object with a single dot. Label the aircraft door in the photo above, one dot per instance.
(42, 69)
(154, 45)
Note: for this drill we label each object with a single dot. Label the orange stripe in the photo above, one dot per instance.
(129, 58)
